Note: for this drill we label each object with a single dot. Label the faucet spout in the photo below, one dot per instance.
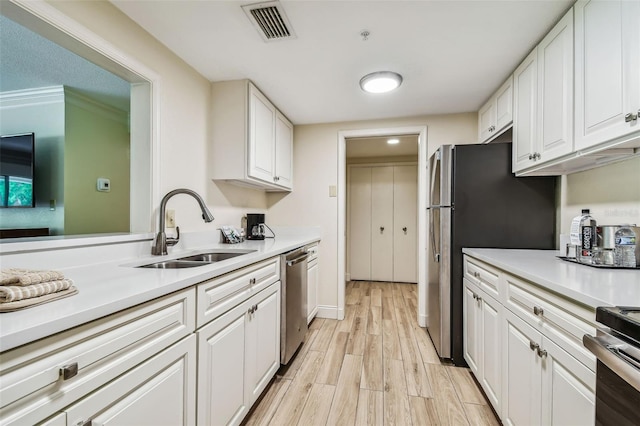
(160, 243)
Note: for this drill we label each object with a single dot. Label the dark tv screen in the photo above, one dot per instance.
(16, 170)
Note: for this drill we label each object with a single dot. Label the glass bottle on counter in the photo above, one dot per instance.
(625, 250)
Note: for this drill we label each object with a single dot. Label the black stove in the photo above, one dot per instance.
(623, 319)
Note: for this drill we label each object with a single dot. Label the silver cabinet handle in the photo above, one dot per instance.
(530, 156)
(405, 230)
(537, 155)
(533, 345)
(68, 371)
(541, 352)
(252, 281)
(538, 310)
(476, 274)
(631, 117)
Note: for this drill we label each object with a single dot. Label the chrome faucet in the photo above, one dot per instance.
(161, 242)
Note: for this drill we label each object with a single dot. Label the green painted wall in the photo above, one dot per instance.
(96, 145)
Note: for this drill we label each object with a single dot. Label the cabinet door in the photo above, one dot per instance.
(568, 388)
(360, 223)
(405, 224)
(525, 90)
(284, 152)
(490, 330)
(555, 91)
(504, 105)
(521, 373)
(263, 341)
(261, 143)
(221, 369)
(607, 42)
(160, 391)
(487, 120)
(471, 329)
(382, 223)
(312, 290)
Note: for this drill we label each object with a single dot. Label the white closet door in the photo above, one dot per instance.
(360, 223)
(405, 224)
(382, 223)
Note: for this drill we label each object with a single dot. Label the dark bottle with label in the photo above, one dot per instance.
(587, 237)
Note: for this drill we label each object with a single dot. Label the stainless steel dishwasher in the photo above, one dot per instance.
(293, 320)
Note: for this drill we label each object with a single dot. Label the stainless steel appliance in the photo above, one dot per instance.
(617, 348)
(475, 201)
(255, 226)
(293, 317)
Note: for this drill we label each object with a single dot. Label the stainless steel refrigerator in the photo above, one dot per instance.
(475, 201)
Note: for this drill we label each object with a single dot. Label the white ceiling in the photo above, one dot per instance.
(452, 54)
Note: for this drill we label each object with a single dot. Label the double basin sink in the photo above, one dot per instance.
(195, 260)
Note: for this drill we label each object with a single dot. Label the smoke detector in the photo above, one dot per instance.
(270, 20)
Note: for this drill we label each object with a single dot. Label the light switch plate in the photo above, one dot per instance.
(104, 185)
(170, 219)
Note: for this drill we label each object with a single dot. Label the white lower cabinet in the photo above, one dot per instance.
(527, 364)
(482, 340)
(238, 354)
(543, 384)
(160, 391)
(312, 283)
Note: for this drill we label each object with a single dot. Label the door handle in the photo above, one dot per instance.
(382, 229)
(405, 230)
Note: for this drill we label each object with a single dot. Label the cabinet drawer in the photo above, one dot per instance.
(313, 251)
(32, 386)
(483, 275)
(166, 382)
(558, 318)
(217, 296)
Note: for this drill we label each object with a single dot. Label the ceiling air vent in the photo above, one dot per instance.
(270, 20)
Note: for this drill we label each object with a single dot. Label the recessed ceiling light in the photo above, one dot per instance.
(393, 141)
(380, 82)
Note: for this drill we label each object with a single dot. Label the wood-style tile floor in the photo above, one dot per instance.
(376, 367)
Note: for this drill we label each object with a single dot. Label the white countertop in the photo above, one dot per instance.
(106, 288)
(585, 284)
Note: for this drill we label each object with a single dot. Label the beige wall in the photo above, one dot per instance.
(612, 193)
(184, 119)
(316, 168)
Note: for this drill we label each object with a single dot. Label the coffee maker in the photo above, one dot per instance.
(255, 226)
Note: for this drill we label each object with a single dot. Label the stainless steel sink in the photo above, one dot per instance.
(195, 260)
(211, 257)
(173, 264)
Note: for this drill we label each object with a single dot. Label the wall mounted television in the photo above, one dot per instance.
(16, 170)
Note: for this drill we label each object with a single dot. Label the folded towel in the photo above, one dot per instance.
(18, 276)
(15, 293)
(34, 301)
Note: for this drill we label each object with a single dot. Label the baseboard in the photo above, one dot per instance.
(423, 320)
(327, 311)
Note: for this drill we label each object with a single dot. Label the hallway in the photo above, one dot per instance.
(375, 367)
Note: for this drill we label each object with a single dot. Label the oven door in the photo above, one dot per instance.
(617, 379)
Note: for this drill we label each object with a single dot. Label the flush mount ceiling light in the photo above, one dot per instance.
(393, 141)
(380, 82)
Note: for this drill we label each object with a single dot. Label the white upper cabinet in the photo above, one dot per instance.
(284, 152)
(543, 98)
(262, 137)
(252, 142)
(607, 42)
(525, 89)
(497, 114)
(555, 91)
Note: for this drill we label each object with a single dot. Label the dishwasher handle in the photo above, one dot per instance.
(620, 357)
(297, 259)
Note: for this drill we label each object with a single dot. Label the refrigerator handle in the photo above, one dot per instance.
(436, 256)
(434, 159)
